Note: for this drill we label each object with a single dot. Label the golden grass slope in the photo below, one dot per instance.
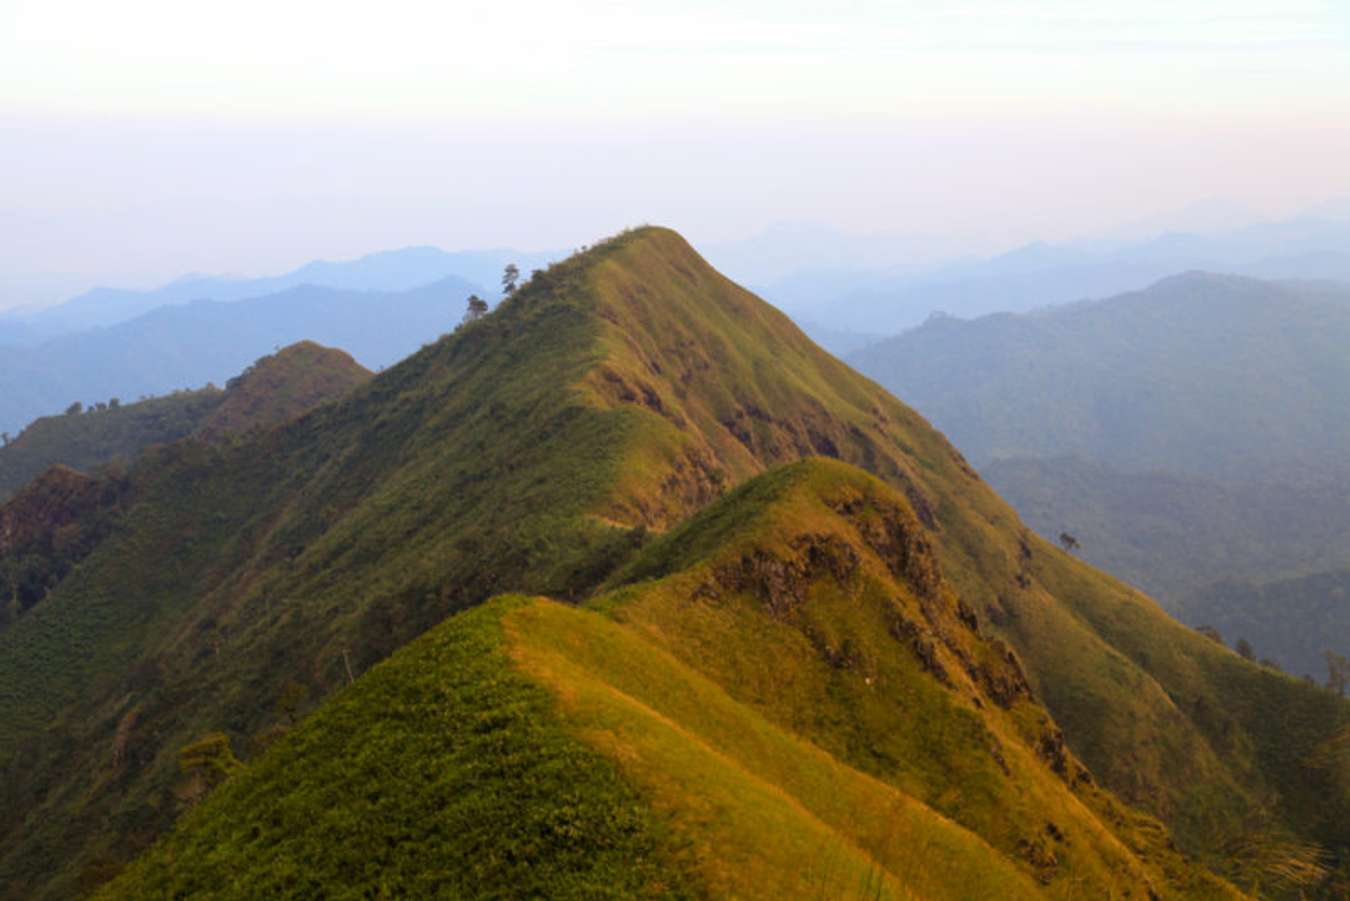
(801, 711)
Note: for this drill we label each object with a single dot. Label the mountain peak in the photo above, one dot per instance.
(282, 385)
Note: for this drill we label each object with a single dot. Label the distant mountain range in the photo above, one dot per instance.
(877, 300)
(386, 271)
(1211, 375)
(1191, 436)
(188, 345)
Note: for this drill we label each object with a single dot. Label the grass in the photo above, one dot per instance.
(441, 773)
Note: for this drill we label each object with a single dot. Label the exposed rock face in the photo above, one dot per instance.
(940, 629)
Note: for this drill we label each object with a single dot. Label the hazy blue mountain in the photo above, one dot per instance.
(839, 342)
(887, 300)
(393, 270)
(1202, 374)
(192, 344)
(1174, 534)
(1293, 622)
(18, 333)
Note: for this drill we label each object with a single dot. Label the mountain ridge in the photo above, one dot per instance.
(651, 387)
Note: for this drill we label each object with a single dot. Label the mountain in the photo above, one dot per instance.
(389, 271)
(86, 438)
(696, 658)
(1261, 560)
(1171, 533)
(1199, 374)
(281, 386)
(1190, 436)
(887, 300)
(58, 514)
(1295, 622)
(804, 605)
(274, 389)
(210, 341)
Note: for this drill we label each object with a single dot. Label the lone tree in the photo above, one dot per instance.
(477, 309)
(1244, 647)
(510, 275)
(1068, 542)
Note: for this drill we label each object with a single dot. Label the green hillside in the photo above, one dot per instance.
(281, 386)
(559, 447)
(89, 437)
(276, 388)
(766, 725)
(54, 521)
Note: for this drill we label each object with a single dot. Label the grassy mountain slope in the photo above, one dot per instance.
(538, 451)
(758, 689)
(57, 519)
(281, 386)
(275, 388)
(95, 436)
(1199, 374)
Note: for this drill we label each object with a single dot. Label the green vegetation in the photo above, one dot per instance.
(282, 386)
(559, 446)
(88, 439)
(1191, 436)
(61, 516)
(276, 388)
(719, 712)
(440, 773)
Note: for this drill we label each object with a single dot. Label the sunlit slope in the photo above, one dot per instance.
(539, 450)
(802, 708)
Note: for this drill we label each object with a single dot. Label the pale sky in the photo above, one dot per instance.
(144, 138)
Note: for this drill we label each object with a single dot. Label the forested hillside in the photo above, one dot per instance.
(1200, 374)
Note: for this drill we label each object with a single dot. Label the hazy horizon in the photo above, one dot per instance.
(144, 142)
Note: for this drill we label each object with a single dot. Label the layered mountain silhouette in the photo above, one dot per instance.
(627, 588)
(187, 346)
(874, 300)
(389, 271)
